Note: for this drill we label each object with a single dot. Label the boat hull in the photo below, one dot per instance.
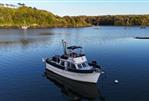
(83, 77)
(74, 89)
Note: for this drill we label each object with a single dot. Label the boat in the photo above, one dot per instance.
(24, 27)
(73, 64)
(97, 27)
(142, 37)
(75, 90)
(142, 27)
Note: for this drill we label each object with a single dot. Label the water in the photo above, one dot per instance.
(122, 57)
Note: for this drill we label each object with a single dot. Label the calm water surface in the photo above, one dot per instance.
(121, 55)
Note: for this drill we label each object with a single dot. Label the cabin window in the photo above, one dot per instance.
(68, 64)
(79, 66)
(56, 59)
(85, 64)
(71, 65)
(62, 63)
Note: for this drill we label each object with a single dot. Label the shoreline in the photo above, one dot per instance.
(44, 27)
(40, 27)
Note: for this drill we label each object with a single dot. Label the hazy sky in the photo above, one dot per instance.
(88, 7)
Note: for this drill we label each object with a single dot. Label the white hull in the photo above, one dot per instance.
(84, 77)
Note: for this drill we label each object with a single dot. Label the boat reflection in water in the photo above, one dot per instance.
(75, 90)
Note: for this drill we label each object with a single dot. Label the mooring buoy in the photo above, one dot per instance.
(116, 81)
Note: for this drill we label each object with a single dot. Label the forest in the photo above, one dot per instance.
(23, 15)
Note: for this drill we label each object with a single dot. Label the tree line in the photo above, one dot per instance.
(30, 16)
(119, 20)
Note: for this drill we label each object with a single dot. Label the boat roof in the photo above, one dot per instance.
(74, 47)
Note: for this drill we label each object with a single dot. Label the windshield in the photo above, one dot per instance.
(83, 65)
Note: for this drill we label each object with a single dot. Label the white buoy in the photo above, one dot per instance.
(102, 72)
(116, 81)
(43, 60)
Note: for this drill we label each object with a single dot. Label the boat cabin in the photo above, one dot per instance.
(73, 59)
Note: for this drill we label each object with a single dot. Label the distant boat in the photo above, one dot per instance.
(142, 27)
(96, 28)
(141, 37)
(73, 65)
(24, 27)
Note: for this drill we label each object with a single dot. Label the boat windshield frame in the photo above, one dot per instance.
(74, 47)
(75, 51)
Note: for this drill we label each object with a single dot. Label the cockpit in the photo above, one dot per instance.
(72, 59)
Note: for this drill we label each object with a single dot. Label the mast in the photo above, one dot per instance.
(64, 46)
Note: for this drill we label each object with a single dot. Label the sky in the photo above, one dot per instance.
(87, 7)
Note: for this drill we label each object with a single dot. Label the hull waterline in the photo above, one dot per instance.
(83, 77)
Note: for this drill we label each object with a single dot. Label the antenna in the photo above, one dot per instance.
(64, 46)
